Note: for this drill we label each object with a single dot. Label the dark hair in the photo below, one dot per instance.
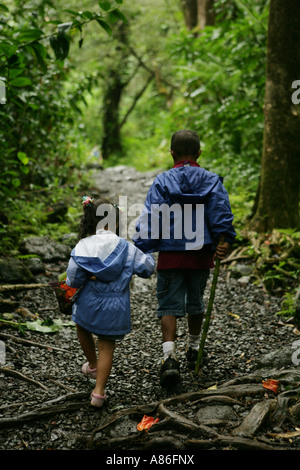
(90, 219)
(185, 142)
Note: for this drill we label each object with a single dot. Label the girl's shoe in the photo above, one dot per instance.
(88, 372)
(97, 400)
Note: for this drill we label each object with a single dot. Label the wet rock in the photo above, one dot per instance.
(215, 414)
(46, 248)
(279, 358)
(14, 271)
(70, 239)
(35, 265)
(241, 271)
(255, 419)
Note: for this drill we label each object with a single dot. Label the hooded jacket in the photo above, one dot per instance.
(186, 208)
(103, 306)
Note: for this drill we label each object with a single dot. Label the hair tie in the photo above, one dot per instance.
(87, 201)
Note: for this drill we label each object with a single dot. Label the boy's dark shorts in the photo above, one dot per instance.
(180, 291)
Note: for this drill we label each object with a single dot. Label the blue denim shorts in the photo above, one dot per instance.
(180, 291)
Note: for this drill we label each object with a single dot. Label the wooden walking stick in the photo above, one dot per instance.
(209, 310)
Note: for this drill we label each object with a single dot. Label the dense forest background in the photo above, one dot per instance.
(108, 84)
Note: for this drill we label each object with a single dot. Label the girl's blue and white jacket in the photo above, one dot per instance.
(103, 306)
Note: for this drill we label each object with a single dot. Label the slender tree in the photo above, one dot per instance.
(116, 82)
(190, 11)
(198, 13)
(278, 195)
(206, 14)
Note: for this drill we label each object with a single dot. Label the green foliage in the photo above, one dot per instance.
(40, 121)
(276, 259)
(288, 305)
(223, 72)
(41, 326)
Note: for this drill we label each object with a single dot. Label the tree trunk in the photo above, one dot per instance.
(198, 13)
(111, 139)
(278, 201)
(206, 15)
(190, 10)
(116, 82)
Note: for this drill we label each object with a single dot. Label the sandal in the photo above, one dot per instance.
(88, 372)
(98, 400)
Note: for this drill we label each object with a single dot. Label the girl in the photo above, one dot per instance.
(104, 263)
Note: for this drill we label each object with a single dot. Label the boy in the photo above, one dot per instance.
(186, 212)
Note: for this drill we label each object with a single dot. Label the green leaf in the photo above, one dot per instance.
(20, 81)
(104, 5)
(40, 53)
(29, 34)
(105, 26)
(87, 14)
(23, 158)
(60, 45)
(47, 326)
(116, 15)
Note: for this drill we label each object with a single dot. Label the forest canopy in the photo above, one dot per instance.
(111, 82)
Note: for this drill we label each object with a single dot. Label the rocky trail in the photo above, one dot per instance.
(230, 405)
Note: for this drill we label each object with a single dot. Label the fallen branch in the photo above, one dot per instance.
(8, 287)
(255, 419)
(230, 442)
(39, 414)
(28, 342)
(18, 375)
(176, 421)
(59, 384)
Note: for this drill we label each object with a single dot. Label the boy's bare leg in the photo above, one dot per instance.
(87, 343)
(168, 327)
(194, 324)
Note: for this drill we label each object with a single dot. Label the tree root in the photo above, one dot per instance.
(18, 375)
(27, 342)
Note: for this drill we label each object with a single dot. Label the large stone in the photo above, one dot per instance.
(282, 357)
(241, 270)
(45, 248)
(35, 265)
(14, 271)
(213, 413)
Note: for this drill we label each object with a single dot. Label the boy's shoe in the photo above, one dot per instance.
(169, 372)
(191, 355)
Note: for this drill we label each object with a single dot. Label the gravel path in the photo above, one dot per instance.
(243, 328)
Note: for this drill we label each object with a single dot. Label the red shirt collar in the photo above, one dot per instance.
(185, 163)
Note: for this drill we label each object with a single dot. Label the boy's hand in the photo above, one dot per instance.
(221, 250)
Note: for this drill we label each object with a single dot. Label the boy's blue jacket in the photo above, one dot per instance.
(201, 212)
(103, 306)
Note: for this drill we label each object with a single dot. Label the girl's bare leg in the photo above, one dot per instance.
(88, 346)
(104, 364)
